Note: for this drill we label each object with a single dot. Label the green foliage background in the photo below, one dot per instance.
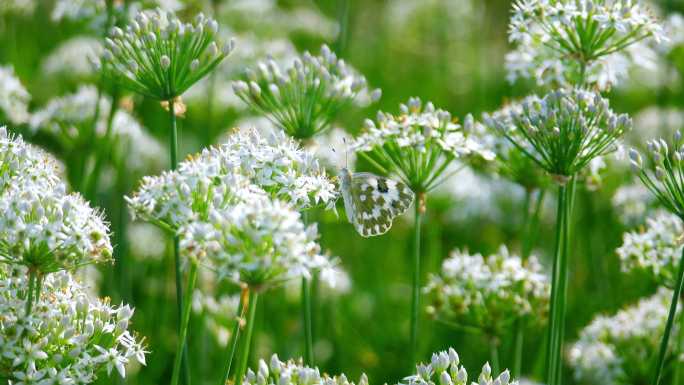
(458, 63)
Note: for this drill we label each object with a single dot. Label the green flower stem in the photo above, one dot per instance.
(531, 225)
(670, 321)
(242, 368)
(559, 287)
(234, 337)
(306, 316)
(676, 377)
(494, 351)
(415, 297)
(173, 152)
(102, 152)
(192, 279)
(31, 291)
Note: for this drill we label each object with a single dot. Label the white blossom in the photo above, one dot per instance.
(68, 338)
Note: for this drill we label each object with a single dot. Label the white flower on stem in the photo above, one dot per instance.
(612, 349)
(304, 98)
(488, 292)
(291, 372)
(570, 42)
(64, 322)
(23, 163)
(655, 249)
(445, 369)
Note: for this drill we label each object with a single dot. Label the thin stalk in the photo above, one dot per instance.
(559, 288)
(306, 316)
(494, 350)
(192, 279)
(242, 368)
(670, 321)
(173, 152)
(415, 297)
(234, 337)
(31, 292)
(676, 377)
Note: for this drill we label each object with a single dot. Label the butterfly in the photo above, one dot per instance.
(372, 202)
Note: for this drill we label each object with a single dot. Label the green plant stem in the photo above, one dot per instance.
(31, 291)
(670, 321)
(242, 367)
(415, 297)
(559, 288)
(494, 351)
(676, 377)
(187, 305)
(173, 152)
(306, 316)
(234, 337)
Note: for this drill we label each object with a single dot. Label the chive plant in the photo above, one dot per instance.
(303, 100)
(562, 132)
(160, 57)
(420, 146)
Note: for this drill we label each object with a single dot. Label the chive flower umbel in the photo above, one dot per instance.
(445, 369)
(159, 56)
(564, 42)
(304, 98)
(291, 372)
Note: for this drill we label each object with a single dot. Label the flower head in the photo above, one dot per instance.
(303, 99)
(14, 98)
(418, 145)
(257, 241)
(159, 56)
(663, 176)
(565, 130)
(576, 42)
(657, 249)
(49, 230)
(488, 292)
(22, 163)
(291, 372)
(613, 349)
(69, 337)
(445, 369)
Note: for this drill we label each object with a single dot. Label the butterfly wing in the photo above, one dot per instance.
(375, 202)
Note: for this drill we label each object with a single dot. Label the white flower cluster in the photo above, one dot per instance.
(277, 372)
(136, 59)
(657, 249)
(69, 338)
(486, 293)
(234, 207)
(565, 130)
(445, 369)
(42, 226)
(14, 98)
(77, 9)
(428, 134)
(50, 230)
(23, 164)
(65, 117)
(563, 42)
(612, 350)
(258, 241)
(303, 98)
(420, 127)
(512, 163)
(276, 164)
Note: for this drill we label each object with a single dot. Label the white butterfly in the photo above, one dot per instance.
(372, 202)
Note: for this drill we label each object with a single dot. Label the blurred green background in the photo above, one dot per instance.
(448, 51)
